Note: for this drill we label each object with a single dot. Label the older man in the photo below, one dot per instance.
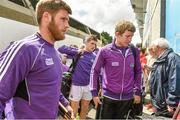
(164, 79)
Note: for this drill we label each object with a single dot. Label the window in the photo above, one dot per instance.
(19, 2)
(33, 3)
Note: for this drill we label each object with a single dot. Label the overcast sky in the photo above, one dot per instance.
(102, 15)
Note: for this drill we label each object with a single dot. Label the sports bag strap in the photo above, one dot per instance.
(74, 63)
(133, 49)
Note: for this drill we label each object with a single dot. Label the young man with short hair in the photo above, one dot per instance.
(121, 84)
(80, 90)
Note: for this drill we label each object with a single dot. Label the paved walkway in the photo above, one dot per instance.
(146, 113)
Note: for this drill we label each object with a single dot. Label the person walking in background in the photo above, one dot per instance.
(165, 79)
(80, 90)
(121, 82)
(30, 69)
(65, 67)
(143, 61)
(151, 58)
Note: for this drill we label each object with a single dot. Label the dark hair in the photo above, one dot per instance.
(51, 6)
(143, 50)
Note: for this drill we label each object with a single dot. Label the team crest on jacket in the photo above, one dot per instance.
(92, 60)
(49, 61)
(132, 65)
(115, 63)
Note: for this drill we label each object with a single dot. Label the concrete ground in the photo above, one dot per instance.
(146, 113)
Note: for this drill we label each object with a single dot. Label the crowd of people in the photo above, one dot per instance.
(160, 76)
(31, 72)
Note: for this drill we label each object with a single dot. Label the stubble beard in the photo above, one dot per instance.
(56, 34)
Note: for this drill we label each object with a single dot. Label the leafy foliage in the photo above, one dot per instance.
(106, 38)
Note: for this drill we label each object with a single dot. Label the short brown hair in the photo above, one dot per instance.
(91, 37)
(124, 25)
(51, 6)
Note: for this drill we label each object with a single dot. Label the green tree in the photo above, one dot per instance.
(106, 38)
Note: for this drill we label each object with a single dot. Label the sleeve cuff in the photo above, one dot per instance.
(94, 93)
(66, 103)
(137, 93)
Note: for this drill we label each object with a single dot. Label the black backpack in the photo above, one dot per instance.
(136, 109)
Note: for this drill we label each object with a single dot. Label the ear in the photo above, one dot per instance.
(47, 17)
(117, 34)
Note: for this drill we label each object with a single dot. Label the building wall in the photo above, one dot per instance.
(69, 40)
(163, 23)
(172, 24)
(152, 21)
(16, 12)
(11, 30)
(17, 22)
(155, 29)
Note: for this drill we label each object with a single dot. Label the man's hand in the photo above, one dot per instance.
(96, 101)
(137, 99)
(171, 109)
(81, 51)
(69, 108)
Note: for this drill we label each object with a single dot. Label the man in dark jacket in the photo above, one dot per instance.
(164, 79)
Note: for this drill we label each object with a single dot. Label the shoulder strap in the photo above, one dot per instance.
(133, 49)
(74, 63)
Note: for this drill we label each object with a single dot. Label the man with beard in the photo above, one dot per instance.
(30, 69)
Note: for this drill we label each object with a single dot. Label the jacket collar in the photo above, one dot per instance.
(164, 55)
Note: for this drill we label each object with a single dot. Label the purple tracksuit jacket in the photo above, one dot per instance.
(81, 75)
(34, 65)
(120, 80)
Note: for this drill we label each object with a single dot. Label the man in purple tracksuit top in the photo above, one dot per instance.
(121, 82)
(80, 90)
(31, 70)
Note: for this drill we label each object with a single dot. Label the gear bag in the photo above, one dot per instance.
(66, 77)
